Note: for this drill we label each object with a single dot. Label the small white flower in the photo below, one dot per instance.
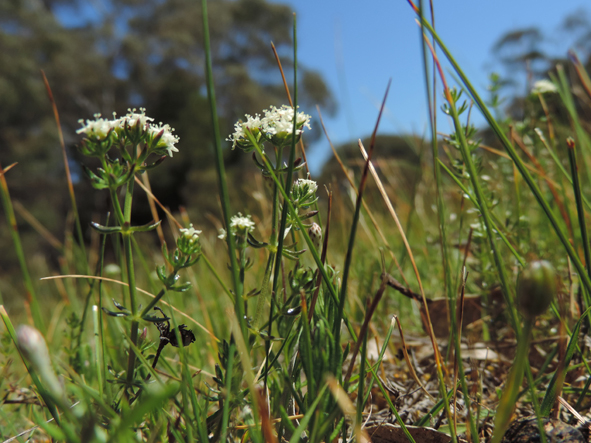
(242, 225)
(222, 234)
(168, 139)
(280, 121)
(190, 233)
(133, 117)
(240, 137)
(188, 241)
(544, 86)
(97, 128)
(305, 183)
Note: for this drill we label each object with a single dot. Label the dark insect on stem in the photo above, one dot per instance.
(168, 335)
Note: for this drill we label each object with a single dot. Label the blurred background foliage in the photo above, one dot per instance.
(135, 54)
(118, 54)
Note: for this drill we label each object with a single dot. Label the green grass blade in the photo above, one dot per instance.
(20, 253)
(239, 305)
(572, 157)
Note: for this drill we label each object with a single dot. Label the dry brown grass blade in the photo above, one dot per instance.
(151, 196)
(368, 315)
(301, 142)
(408, 250)
(275, 420)
(94, 277)
(411, 368)
(151, 200)
(60, 135)
(529, 167)
(8, 168)
(460, 317)
(548, 116)
(347, 407)
(581, 72)
(37, 226)
(370, 214)
(66, 163)
(266, 422)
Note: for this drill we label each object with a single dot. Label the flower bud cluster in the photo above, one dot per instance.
(303, 193)
(186, 254)
(275, 127)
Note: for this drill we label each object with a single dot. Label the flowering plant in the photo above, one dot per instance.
(275, 127)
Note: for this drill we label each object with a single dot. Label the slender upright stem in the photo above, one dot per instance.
(239, 305)
(127, 247)
(572, 156)
(133, 303)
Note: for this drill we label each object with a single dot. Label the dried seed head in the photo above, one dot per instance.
(315, 233)
(536, 288)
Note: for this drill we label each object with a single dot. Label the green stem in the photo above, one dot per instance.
(239, 305)
(117, 207)
(292, 152)
(572, 156)
(269, 268)
(213, 270)
(132, 303)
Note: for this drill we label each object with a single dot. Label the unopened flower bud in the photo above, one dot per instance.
(315, 233)
(33, 347)
(536, 288)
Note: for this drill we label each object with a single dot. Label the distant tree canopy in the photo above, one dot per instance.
(112, 55)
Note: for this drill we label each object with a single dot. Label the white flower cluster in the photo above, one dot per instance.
(188, 241)
(100, 128)
(544, 86)
(276, 122)
(241, 225)
(190, 233)
(307, 184)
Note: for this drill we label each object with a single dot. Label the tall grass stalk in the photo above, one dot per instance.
(572, 157)
(450, 291)
(239, 305)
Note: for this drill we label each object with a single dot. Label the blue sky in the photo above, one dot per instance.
(359, 46)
